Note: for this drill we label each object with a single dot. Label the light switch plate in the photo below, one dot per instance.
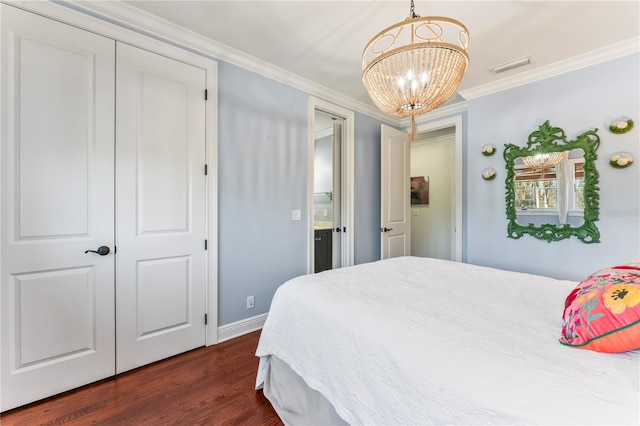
(296, 214)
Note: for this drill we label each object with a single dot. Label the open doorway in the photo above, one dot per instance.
(432, 194)
(327, 190)
(436, 206)
(330, 186)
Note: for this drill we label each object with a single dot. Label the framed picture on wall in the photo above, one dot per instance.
(420, 190)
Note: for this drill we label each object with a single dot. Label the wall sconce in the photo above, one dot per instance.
(621, 160)
(620, 126)
(489, 173)
(488, 150)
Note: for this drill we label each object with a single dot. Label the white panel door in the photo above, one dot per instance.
(57, 302)
(161, 223)
(396, 194)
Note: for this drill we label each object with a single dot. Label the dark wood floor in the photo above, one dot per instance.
(207, 386)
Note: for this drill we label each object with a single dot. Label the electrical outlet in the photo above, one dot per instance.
(250, 302)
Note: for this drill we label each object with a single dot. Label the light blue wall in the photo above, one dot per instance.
(262, 145)
(263, 165)
(262, 170)
(578, 101)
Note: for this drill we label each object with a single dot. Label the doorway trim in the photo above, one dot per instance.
(456, 123)
(347, 177)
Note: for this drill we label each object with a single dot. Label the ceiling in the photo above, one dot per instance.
(322, 41)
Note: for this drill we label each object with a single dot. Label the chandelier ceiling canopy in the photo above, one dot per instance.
(414, 66)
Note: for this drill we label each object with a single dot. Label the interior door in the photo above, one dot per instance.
(161, 207)
(395, 226)
(57, 300)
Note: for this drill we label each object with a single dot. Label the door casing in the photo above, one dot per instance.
(92, 23)
(86, 16)
(347, 178)
(456, 123)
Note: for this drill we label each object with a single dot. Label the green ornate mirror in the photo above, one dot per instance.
(552, 186)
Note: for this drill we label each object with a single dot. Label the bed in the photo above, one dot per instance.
(413, 341)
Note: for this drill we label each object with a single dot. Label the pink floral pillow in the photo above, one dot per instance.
(603, 312)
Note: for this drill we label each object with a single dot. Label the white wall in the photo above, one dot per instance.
(432, 224)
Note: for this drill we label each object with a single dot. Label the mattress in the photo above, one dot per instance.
(427, 341)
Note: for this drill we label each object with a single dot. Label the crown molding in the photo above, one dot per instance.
(141, 22)
(103, 16)
(594, 57)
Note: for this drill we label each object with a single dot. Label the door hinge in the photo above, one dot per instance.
(206, 169)
(206, 319)
(206, 243)
(206, 94)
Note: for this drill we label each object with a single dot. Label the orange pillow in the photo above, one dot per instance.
(603, 312)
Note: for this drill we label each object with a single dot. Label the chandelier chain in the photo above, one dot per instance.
(412, 11)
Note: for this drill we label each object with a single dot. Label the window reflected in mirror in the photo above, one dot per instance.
(538, 187)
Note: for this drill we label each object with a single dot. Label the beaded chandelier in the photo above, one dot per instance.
(414, 66)
(544, 161)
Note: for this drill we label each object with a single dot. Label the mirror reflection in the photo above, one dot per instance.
(549, 188)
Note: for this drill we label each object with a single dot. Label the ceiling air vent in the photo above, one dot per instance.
(510, 65)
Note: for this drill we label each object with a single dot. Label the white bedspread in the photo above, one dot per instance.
(411, 341)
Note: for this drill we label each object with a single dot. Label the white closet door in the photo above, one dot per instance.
(57, 302)
(161, 223)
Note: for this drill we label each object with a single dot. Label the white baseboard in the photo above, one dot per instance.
(242, 327)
